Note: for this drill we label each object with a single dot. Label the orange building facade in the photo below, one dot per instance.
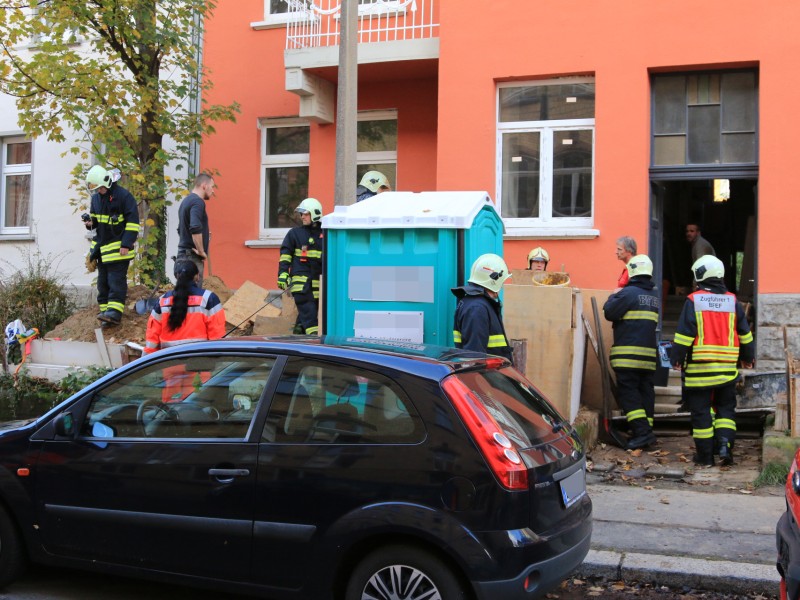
(584, 121)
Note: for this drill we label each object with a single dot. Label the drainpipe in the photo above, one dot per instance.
(347, 105)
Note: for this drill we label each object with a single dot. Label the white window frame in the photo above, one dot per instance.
(5, 170)
(276, 234)
(276, 20)
(384, 156)
(546, 225)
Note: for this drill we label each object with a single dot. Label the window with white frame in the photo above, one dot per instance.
(545, 153)
(284, 171)
(376, 144)
(15, 185)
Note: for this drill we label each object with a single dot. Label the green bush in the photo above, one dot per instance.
(35, 293)
(25, 397)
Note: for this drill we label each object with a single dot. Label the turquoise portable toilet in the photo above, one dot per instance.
(392, 259)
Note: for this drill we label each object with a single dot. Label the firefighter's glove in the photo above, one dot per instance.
(91, 263)
(283, 281)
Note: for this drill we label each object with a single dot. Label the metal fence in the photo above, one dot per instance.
(315, 23)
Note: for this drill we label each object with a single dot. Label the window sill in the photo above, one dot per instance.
(17, 237)
(272, 239)
(565, 233)
(275, 21)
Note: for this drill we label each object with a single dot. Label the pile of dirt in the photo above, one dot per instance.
(81, 325)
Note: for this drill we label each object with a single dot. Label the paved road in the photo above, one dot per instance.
(41, 583)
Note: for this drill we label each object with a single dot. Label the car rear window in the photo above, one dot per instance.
(518, 407)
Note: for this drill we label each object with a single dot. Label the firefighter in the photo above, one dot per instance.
(478, 320)
(187, 313)
(712, 336)
(538, 259)
(300, 265)
(114, 217)
(372, 184)
(634, 312)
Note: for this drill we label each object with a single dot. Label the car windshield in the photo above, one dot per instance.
(518, 407)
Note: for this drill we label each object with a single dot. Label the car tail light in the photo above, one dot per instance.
(499, 452)
(495, 363)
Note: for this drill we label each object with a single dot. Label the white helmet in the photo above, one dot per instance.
(708, 267)
(539, 254)
(312, 206)
(489, 271)
(374, 180)
(640, 265)
(98, 177)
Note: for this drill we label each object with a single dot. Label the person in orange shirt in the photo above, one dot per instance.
(186, 314)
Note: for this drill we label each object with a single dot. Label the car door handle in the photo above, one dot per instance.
(229, 472)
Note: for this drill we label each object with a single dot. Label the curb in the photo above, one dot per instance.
(674, 571)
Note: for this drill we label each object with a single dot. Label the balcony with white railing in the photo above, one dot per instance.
(404, 33)
(388, 30)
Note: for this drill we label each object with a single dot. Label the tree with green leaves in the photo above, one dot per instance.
(123, 81)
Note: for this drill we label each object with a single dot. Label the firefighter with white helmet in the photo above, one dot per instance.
(538, 259)
(712, 336)
(478, 320)
(634, 312)
(114, 218)
(371, 184)
(300, 265)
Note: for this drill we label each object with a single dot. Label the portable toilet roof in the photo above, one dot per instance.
(420, 210)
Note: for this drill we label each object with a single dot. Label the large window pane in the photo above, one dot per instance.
(18, 193)
(547, 102)
(288, 140)
(739, 105)
(278, 6)
(669, 105)
(377, 136)
(572, 173)
(704, 134)
(520, 173)
(286, 187)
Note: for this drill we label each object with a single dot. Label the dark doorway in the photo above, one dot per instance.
(729, 225)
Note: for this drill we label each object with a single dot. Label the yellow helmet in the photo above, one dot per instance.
(374, 180)
(640, 265)
(312, 206)
(708, 267)
(489, 271)
(98, 177)
(538, 254)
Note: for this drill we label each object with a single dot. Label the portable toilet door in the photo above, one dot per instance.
(391, 260)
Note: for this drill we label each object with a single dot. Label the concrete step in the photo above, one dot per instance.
(670, 391)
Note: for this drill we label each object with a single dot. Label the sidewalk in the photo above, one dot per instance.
(684, 537)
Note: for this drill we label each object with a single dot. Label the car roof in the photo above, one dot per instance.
(423, 359)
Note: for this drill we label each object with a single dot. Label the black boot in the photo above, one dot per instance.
(641, 441)
(725, 451)
(110, 318)
(704, 453)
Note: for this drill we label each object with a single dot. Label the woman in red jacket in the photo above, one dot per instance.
(186, 314)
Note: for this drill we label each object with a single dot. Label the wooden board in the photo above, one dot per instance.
(546, 318)
(246, 301)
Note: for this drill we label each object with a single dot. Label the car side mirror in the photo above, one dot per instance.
(65, 425)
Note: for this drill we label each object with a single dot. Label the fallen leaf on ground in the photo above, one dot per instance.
(664, 501)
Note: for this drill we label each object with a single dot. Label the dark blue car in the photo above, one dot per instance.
(303, 468)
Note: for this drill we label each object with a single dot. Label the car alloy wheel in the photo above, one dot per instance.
(400, 582)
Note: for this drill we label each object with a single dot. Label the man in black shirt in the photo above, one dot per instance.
(193, 223)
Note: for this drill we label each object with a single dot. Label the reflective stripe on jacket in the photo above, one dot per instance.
(712, 333)
(478, 324)
(634, 311)
(301, 258)
(205, 320)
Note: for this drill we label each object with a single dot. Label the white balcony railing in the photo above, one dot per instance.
(315, 23)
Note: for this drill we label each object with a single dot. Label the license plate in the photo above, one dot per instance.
(573, 488)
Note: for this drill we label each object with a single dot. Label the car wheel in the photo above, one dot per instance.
(403, 573)
(12, 557)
